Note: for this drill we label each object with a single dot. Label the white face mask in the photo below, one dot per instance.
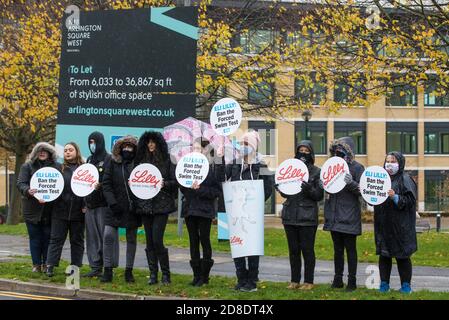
(392, 168)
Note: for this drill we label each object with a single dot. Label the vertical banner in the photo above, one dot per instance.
(244, 202)
(222, 226)
(125, 72)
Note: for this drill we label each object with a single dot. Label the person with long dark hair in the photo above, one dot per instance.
(153, 149)
(37, 214)
(68, 215)
(395, 225)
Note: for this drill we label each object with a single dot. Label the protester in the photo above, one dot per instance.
(153, 149)
(300, 220)
(342, 213)
(251, 168)
(96, 205)
(394, 225)
(37, 214)
(199, 209)
(119, 197)
(68, 215)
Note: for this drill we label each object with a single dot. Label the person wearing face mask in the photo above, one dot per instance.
(343, 217)
(394, 224)
(96, 206)
(300, 220)
(119, 197)
(37, 215)
(250, 167)
(153, 149)
(198, 209)
(67, 215)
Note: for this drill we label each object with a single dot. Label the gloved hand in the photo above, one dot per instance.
(348, 178)
(306, 186)
(115, 209)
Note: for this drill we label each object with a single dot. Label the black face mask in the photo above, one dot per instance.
(340, 154)
(127, 155)
(304, 157)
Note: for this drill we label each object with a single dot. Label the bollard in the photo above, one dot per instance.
(438, 222)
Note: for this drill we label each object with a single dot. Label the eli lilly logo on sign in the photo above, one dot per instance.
(191, 168)
(374, 185)
(333, 174)
(84, 180)
(226, 116)
(289, 176)
(49, 184)
(145, 181)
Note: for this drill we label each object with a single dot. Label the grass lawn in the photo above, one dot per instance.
(432, 247)
(218, 288)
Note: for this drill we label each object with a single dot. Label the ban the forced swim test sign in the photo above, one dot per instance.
(191, 168)
(226, 116)
(49, 184)
(374, 185)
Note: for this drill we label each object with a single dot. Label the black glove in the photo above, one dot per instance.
(115, 208)
(306, 186)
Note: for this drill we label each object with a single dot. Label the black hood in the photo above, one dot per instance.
(142, 146)
(347, 143)
(100, 150)
(309, 145)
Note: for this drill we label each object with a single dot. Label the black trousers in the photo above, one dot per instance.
(154, 231)
(199, 233)
(344, 241)
(59, 230)
(301, 241)
(251, 274)
(404, 269)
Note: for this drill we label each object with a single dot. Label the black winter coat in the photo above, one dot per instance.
(203, 201)
(68, 206)
(342, 211)
(395, 224)
(302, 209)
(33, 211)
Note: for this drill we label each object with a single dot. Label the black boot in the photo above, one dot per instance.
(152, 265)
(129, 275)
(338, 282)
(50, 271)
(165, 266)
(93, 273)
(206, 265)
(196, 267)
(352, 284)
(107, 275)
(251, 285)
(242, 278)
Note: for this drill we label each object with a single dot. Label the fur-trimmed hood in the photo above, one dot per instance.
(142, 146)
(43, 146)
(116, 156)
(346, 143)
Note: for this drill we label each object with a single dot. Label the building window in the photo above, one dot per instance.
(261, 93)
(402, 95)
(317, 133)
(355, 130)
(347, 90)
(310, 90)
(436, 138)
(256, 41)
(434, 181)
(402, 137)
(266, 131)
(434, 96)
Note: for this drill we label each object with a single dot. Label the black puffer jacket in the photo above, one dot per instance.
(203, 201)
(101, 160)
(302, 209)
(255, 171)
(68, 206)
(394, 224)
(33, 211)
(164, 201)
(116, 189)
(342, 211)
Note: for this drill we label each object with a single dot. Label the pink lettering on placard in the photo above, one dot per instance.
(236, 240)
(290, 173)
(332, 172)
(85, 176)
(145, 177)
